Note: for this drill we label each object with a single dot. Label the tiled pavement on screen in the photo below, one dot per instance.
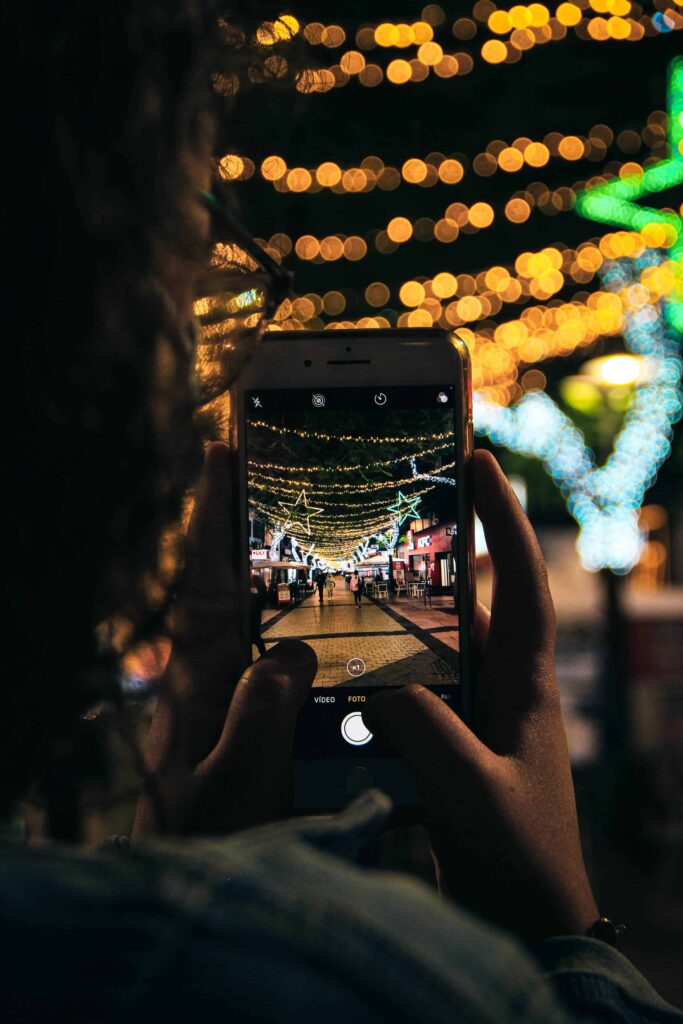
(414, 646)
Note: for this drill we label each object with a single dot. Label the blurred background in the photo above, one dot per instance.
(516, 174)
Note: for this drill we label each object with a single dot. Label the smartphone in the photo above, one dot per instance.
(356, 532)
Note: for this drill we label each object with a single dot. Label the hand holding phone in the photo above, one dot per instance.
(219, 752)
(500, 804)
(354, 449)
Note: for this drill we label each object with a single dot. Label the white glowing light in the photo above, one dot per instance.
(605, 500)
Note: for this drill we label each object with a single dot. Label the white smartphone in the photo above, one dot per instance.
(357, 536)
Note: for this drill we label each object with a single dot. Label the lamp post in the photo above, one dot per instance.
(602, 391)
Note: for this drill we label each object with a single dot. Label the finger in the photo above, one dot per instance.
(445, 757)
(517, 669)
(522, 596)
(254, 752)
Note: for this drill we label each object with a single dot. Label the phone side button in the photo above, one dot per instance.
(357, 780)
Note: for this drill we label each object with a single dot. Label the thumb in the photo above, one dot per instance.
(445, 757)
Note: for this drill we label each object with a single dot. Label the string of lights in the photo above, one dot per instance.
(319, 435)
(256, 480)
(365, 506)
(641, 295)
(379, 464)
(450, 169)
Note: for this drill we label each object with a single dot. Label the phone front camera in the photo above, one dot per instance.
(308, 362)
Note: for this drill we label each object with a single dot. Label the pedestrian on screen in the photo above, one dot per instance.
(330, 584)
(355, 588)
(320, 584)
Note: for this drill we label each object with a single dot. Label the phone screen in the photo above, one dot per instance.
(353, 547)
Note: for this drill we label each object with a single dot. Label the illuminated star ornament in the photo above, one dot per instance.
(405, 508)
(297, 514)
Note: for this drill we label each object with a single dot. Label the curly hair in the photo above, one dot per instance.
(107, 100)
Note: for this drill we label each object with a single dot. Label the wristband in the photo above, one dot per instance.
(606, 930)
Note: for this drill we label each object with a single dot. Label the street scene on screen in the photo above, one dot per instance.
(352, 539)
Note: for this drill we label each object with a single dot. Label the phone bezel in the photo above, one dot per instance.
(357, 358)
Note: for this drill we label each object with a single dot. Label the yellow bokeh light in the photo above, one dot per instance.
(446, 230)
(307, 247)
(499, 22)
(386, 34)
(399, 229)
(444, 285)
(273, 168)
(631, 170)
(414, 171)
(568, 14)
(352, 62)
(597, 29)
(355, 248)
(404, 36)
(497, 278)
(303, 308)
(494, 51)
(430, 53)
(571, 147)
(299, 179)
(481, 215)
(313, 33)
(422, 32)
(523, 39)
(399, 71)
(520, 16)
(517, 210)
(419, 318)
(451, 171)
(412, 293)
(536, 154)
(618, 28)
(354, 179)
(333, 35)
(469, 308)
(447, 67)
(231, 167)
(331, 248)
(539, 15)
(328, 174)
(510, 159)
(658, 236)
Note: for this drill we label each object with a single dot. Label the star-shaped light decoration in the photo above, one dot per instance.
(615, 202)
(298, 517)
(405, 508)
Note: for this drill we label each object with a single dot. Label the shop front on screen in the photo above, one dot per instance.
(430, 554)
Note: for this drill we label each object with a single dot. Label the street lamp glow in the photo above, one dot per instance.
(614, 371)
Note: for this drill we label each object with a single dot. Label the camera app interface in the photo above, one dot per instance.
(352, 543)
